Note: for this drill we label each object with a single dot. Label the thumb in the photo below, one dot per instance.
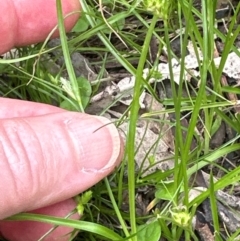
(26, 22)
(49, 158)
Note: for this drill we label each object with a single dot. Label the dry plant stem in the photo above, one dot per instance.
(101, 10)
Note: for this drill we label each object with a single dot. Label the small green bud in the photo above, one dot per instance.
(162, 8)
(181, 216)
(83, 200)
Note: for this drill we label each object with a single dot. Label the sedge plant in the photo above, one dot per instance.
(103, 217)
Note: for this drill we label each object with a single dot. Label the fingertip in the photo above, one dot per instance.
(36, 19)
(69, 152)
(115, 139)
(25, 22)
(8, 22)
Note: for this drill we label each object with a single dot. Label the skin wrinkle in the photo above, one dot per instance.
(60, 138)
(4, 159)
(36, 187)
(19, 154)
(92, 170)
(45, 164)
(51, 158)
(10, 173)
(8, 149)
(34, 178)
(60, 141)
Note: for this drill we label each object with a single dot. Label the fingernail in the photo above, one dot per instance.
(97, 141)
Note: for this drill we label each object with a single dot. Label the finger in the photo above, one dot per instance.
(32, 231)
(26, 22)
(51, 158)
(10, 108)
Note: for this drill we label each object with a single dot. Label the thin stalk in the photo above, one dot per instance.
(200, 96)
(67, 57)
(116, 209)
(214, 208)
(80, 225)
(132, 126)
(182, 174)
(209, 113)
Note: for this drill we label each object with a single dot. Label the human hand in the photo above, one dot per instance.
(48, 155)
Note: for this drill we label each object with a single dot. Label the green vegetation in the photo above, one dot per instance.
(123, 31)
